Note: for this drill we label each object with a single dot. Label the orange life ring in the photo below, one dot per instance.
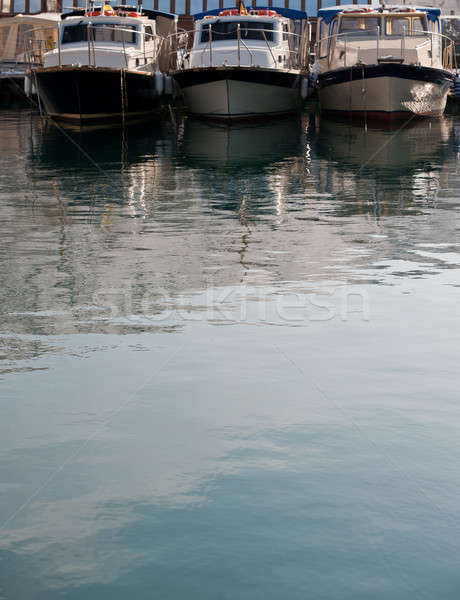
(234, 12)
(95, 13)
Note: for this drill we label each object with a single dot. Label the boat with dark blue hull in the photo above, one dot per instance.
(384, 62)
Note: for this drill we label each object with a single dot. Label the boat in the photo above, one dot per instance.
(108, 63)
(451, 28)
(383, 62)
(13, 63)
(239, 63)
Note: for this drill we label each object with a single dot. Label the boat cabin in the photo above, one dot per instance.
(260, 37)
(451, 29)
(118, 37)
(365, 35)
(14, 31)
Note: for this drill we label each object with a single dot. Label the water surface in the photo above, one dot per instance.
(229, 360)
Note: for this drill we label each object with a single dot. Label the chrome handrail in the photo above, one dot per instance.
(36, 47)
(297, 58)
(447, 56)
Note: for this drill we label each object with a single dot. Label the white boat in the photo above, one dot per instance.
(451, 28)
(244, 63)
(383, 62)
(13, 63)
(108, 63)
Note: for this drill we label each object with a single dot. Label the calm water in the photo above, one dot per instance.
(229, 361)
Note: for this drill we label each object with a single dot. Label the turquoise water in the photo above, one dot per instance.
(229, 361)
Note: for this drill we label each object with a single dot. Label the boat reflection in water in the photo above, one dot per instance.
(397, 167)
(210, 144)
(246, 167)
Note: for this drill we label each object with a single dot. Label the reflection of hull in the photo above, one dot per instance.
(386, 91)
(239, 92)
(88, 94)
(382, 149)
(240, 145)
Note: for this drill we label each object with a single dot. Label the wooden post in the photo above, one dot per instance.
(155, 4)
(27, 7)
(318, 4)
(172, 6)
(221, 3)
(205, 6)
(302, 5)
(187, 7)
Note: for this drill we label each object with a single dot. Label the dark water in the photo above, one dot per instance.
(229, 361)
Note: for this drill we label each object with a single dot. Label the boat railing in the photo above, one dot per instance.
(148, 55)
(441, 47)
(290, 53)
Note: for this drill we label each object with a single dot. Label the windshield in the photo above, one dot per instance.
(99, 32)
(359, 25)
(228, 30)
(407, 25)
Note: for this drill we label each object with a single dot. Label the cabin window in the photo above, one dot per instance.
(359, 25)
(228, 30)
(100, 32)
(148, 33)
(411, 26)
(285, 32)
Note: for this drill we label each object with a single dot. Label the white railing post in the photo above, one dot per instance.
(88, 34)
(210, 46)
(378, 43)
(403, 45)
(59, 45)
(238, 35)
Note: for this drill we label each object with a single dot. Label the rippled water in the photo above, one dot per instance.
(229, 360)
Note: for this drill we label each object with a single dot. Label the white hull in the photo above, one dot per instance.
(229, 99)
(386, 96)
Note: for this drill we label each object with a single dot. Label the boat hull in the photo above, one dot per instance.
(239, 93)
(385, 91)
(88, 94)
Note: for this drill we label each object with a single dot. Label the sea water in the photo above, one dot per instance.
(229, 360)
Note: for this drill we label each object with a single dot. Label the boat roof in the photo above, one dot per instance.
(150, 14)
(290, 13)
(327, 14)
(38, 19)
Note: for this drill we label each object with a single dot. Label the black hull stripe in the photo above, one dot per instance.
(412, 72)
(192, 77)
(82, 93)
